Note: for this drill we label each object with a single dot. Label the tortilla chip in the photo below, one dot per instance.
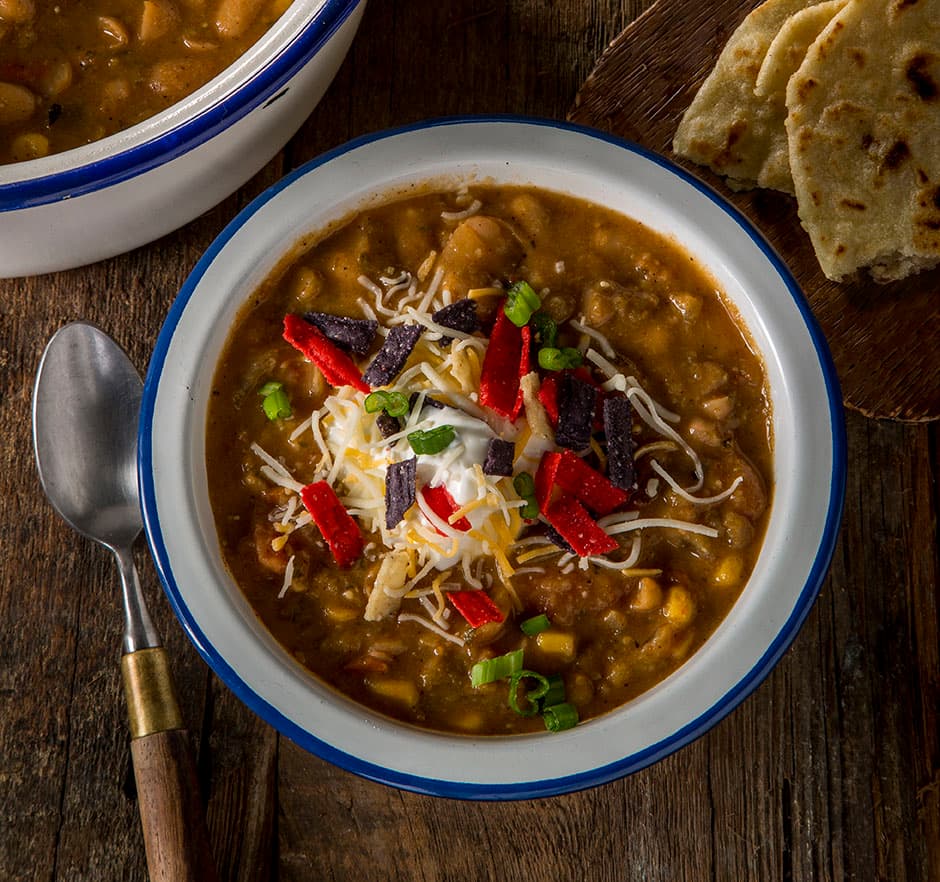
(784, 56)
(864, 139)
(727, 126)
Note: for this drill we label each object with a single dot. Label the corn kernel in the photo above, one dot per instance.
(679, 607)
(468, 721)
(401, 691)
(728, 572)
(557, 643)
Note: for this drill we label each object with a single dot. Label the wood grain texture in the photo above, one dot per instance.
(885, 339)
(172, 818)
(829, 771)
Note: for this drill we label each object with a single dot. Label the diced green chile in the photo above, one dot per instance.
(535, 625)
(521, 303)
(524, 485)
(545, 330)
(395, 404)
(551, 359)
(431, 441)
(489, 670)
(559, 717)
(531, 696)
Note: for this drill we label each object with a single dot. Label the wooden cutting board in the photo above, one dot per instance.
(885, 339)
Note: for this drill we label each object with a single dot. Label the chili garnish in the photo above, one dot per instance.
(443, 505)
(477, 607)
(335, 365)
(574, 475)
(499, 375)
(572, 521)
(339, 529)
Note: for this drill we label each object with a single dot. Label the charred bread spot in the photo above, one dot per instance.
(898, 152)
(919, 77)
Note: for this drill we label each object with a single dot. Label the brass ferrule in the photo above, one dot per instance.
(151, 700)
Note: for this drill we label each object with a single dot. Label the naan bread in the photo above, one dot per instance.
(784, 56)
(864, 137)
(727, 127)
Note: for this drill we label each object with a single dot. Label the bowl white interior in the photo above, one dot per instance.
(806, 420)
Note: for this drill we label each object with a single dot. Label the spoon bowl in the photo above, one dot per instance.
(85, 407)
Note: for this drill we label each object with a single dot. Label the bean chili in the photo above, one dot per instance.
(402, 627)
(72, 73)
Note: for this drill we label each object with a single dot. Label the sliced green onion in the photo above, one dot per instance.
(535, 625)
(524, 485)
(276, 404)
(546, 331)
(269, 387)
(521, 302)
(431, 441)
(531, 696)
(552, 359)
(393, 403)
(556, 692)
(489, 670)
(560, 716)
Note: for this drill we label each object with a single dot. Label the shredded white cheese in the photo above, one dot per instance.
(437, 629)
(288, 577)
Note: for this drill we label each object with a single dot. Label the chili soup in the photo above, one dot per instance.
(71, 74)
(490, 461)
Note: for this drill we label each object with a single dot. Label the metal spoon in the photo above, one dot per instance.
(85, 406)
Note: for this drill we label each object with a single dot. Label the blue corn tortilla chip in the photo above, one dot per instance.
(618, 427)
(388, 425)
(576, 403)
(557, 539)
(391, 358)
(354, 334)
(400, 480)
(499, 456)
(428, 402)
(460, 315)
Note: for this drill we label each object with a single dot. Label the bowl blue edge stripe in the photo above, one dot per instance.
(548, 786)
(111, 170)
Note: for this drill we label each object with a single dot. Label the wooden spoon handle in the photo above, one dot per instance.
(171, 812)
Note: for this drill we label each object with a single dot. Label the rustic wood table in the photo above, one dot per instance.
(828, 772)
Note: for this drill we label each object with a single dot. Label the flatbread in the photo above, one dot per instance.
(784, 56)
(864, 139)
(727, 127)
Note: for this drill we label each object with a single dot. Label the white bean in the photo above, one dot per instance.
(17, 103)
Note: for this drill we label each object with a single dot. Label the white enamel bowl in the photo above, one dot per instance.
(809, 459)
(105, 198)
